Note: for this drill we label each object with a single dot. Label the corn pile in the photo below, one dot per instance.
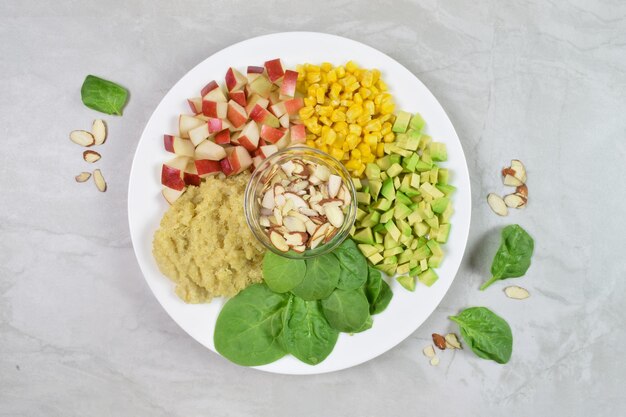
(347, 112)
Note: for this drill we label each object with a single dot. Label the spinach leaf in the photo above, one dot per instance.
(320, 279)
(306, 332)
(103, 96)
(282, 274)
(373, 285)
(512, 259)
(382, 300)
(488, 334)
(346, 310)
(249, 326)
(353, 266)
(366, 326)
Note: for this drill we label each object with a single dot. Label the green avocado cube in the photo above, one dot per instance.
(414, 217)
(367, 250)
(380, 229)
(422, 252)
(402, 122)
(423, 265)
(423, 166)
(393, 251)
(395, 159)
(389, 269)
(375, 258)
(415, 271)
(428, 277)
(378, 237)
(447, 189)
(371, 219)
(433, 173)
(357, 183)
(394, 170)
(420, 229)
(401, 211)
(415, 181)
(372, 171)
(405, 256)
(393, 230)
(434, 247)
(443, 176)
(403, 269)
(375, 186)
(446, 215)
(364, 236)
(390, 242)
(425, 140)
(439, 205)
(430, 190)
(411, 162)
(434, 261)
(444, 232)
(417, 122)
(363, 197)
(401, 198)
(384, 162)
(381, 205)
(406, 281)
(404, 227)
(388, 215)
(388, 191)
(438, 151)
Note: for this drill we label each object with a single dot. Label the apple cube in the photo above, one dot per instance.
(200, 133)
(235, 80)
(237, 115)
(179, 146)
(284, 141)
(293, 105)
(213, 92)
(284, 121)
(261, 86)
(195, 104)
(278, 109)
(255, 99)
(239, 97)
(210, 150)
(256, 161)
(254, 72)
(249, 136)
(263, 117)
(239, 160)
(190, 176)
(274, 97)
(172, 172)
(226, 167)
(187, 123)
(271, 134)
(274, 69)
(297, 134)
(288, 87)
(206, 167)
(171, 194)
(267, 150)
(217, 109)
(222, 138)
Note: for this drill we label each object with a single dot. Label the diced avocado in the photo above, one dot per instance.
(422, 166)
(393, 251)
(423, 265)
(357, 183)
(430, 190)
(414, 244)
(444, 232)
(394, 159)
(435, 248)
(405, 256)
(412, 143)
(396, 182)
(375, 186)
(375, 258)
(392, 148)
(406, 240)
(360, 214)
(427, 198)
(352, 230)
(384, 162)
(422, 252)
(394, 170)
(389, 269)
(426, 157)
(420, 229)
(405, 184)
(382, 205)
(434, 261)
(428, 277)
(402, 122)
(364, 236)
(371, 219)
(434, 171)
(425, 177)
(403, 269)
(425, 140)
(379, 228)
(438, 151)
(404, 227)
(391, 260)
(415, 271)
(393, 230)
(439, 205)
(363, 198)
(383, 176)
(401, 211)
(411, 162)
(447, 189)
(378, 237)
(443, 177)
(401, 198)
(406, 281)
(388, 215)
(367, 250)
(413, 263)
(372, 171)
(411, 192)
(417, 122)
(388, 191)
(446, 215)
(390, 242)
(415, 181)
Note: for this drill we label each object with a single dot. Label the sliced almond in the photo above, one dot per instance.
(82, 138)
(516, 293)
(315, 180)
(99, 180)
(497, 204)
(288, 168)
(347, 198)
(429, 351)
(299, 249)
(293, 224)
(287, 207)
(298, 202)
(308, 211)
(318, 220)
(266, 212)
(334, 183)
(300, 186)
(439, 341)
(298, 215)
(296, 239)
(434, 361)
(334, 215)
(278, 216)
(515, 201)
(512, 181)
(508, 171)
(322, 172)
(522, 190)
(99, 131)
(278, 189)
(335, 201)
(330, 233)
(264, 221)
(320, 232)
(310, 227)
(83, 176)
(452, 341)
(91, 156)
(278, 241)
(268, 200)
(315, 242)
(279, 200)
(520, 170)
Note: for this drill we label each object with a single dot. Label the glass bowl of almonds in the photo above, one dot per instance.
(300, 203)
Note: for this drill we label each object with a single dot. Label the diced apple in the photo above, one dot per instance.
(284, 121)
(195, 104)
(278, 109)
(171, 194)
(200, 133)
(267, 150)
(202, 117)
(239, 160)
(288, 87)
(223, 137)
(298, 134)
(213, 92)
(235, 80)
(284, 141)
(264, 117)
(187, 123)
(239, 97)
(217, 109)
(236, 114)
(190, 176)
(249, 137)
(216, 125)
(261, 86)
(255, 99)
(206, 167)
(274, 97)
(254, 72)
(210, 150)
(172, 172)
(226, 167)
(293, 105)
(271, 134)
(274, 69)
(179, 146)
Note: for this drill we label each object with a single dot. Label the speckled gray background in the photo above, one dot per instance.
(80, 332)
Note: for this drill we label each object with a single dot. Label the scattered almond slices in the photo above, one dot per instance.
(439, 341)
(82, 138)
(99, 180)
(497, 204)
(91, 156)
(513, 176)
(452, 341)
(516, 293)
(99, 131)
(429, 351)
(83, 176)
(434, 361)
(515, 201)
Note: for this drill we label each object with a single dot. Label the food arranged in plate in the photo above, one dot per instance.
(290, 191)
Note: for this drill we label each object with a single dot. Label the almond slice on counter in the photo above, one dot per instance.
(516, 293)
(434, 361)
(99, 131)
(497, 204)
(83, 176)
(520, 170)
(429, 351)
(522, 190)
(439, 341)
(452, 341)
(515, 201)
(91, 156)
(512, 181)
(99, 180)
(82, 138)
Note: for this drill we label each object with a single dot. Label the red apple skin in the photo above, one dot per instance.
(274, 69)
(271, 134)
(191, 179)
(223, 137)
(255, 70)
(288, 87)
(232, 81)
(168, 143)
(239, 97)
(236, 114)
(268, 150)
(215, 125)
(294, 105)
(215, 109)
(227, 169)
(247, 143)
(193, 107)
(298, 134)
(172, 178)
(212, 85)
(207, 167)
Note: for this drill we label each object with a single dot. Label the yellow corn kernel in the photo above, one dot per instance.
(320, 94)
(356, 129)
(310, 143)
(306, 112)
(351, 66)
(388, 118)
(382, 86)
(354, 112)
(369, 158)
(311, 90)
(323, 148)
(337, 153)
(365, 92)
(389, 137)
(340, 126)
(363, 119)
(373, 125)
(325, 120)
(387, 107)
(368, 79)
(346, 146)
(331, 76)
(312, 125)
(331, 136)
(326, 66)
(310, 102)
(370, 140)
(338, 116)
(341, 72)
(352, 87)
(313, 77)
(364, 149)
(355, 154)
(312, 68)
(353, 164)
(357, 98)
(311, 136)
(386, 128)
(352, 140)
(360, 171)
(335, 90)
(380, 150)
(369, 107)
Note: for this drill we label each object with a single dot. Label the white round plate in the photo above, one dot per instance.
(407, 310)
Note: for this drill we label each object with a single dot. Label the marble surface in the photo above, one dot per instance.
(80, 332)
